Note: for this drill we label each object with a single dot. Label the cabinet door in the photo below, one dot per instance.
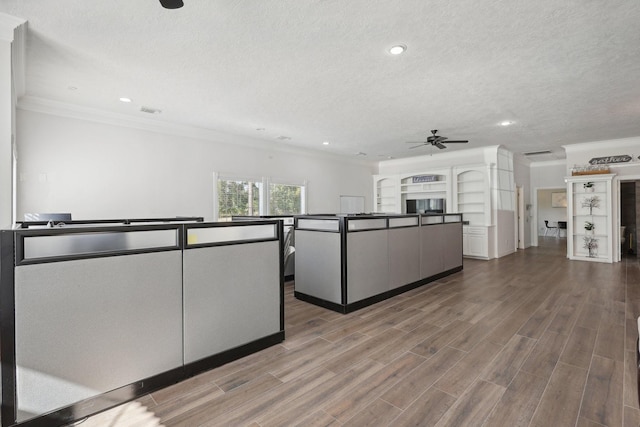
(477, 245)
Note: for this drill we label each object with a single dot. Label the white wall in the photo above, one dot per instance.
(97, 170)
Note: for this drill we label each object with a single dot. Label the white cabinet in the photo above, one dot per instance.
(475, 242)
(589, 212)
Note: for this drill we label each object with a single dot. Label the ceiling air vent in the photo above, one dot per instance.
(536, 153)
(150, 110)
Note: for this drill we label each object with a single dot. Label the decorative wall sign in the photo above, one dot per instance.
(624, 158)
(424, 178)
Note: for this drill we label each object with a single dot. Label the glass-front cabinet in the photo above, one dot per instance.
(590, 230)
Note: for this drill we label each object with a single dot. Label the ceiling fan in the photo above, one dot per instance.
(436, 141)
(172, 4)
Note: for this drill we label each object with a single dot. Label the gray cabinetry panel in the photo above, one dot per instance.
(318, 265)
(404, 256)
(89, 326)
(452, 246)
(432, 240)
(367, 264)
(231, 297)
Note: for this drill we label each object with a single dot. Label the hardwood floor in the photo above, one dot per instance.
(530, 339)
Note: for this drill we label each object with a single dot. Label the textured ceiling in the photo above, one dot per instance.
(318, 70)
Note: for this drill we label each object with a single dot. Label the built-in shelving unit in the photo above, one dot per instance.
(386, 194)
(471, 192)
(433, 185)
(589, 227)
(472, 201)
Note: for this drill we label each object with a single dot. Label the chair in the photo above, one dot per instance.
(548, 227)
(562, 225)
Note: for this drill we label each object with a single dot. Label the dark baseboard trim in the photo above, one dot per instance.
(94, 405)
(104, 401)
(348, 308)
(340, 308)
(208, 363)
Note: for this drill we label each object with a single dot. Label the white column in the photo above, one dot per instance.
(10, 27)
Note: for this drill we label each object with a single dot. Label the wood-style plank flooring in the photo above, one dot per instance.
(530, 339)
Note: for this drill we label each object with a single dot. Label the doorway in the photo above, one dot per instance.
(629, 208)
(551, 206)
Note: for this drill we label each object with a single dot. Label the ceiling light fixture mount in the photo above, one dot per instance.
(506, 123)
(398, 49)
(125, 99)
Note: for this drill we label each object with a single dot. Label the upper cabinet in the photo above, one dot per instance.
(589, 214)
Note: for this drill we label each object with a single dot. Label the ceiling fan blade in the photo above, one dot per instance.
(415, 142)
(416, 146)
(439, 145)
(459, 142)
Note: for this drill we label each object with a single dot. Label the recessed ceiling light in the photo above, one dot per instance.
(397, 50)
(325, 143)
(506, 123)
(123, 99)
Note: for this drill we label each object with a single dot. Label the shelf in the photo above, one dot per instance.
(423, 191)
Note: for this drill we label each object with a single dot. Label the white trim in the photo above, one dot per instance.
(19, 61)
(8, 25)
(61, 109)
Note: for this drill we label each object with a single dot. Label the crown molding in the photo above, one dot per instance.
(8, 25)
(73, 111)
(14, 31)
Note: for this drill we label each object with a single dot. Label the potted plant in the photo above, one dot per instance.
(589, 226)
(591, 202)
(591, 245)
(588, 186)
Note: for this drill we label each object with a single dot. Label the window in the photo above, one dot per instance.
(285, 199)
(242, 196)
(238, 197)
